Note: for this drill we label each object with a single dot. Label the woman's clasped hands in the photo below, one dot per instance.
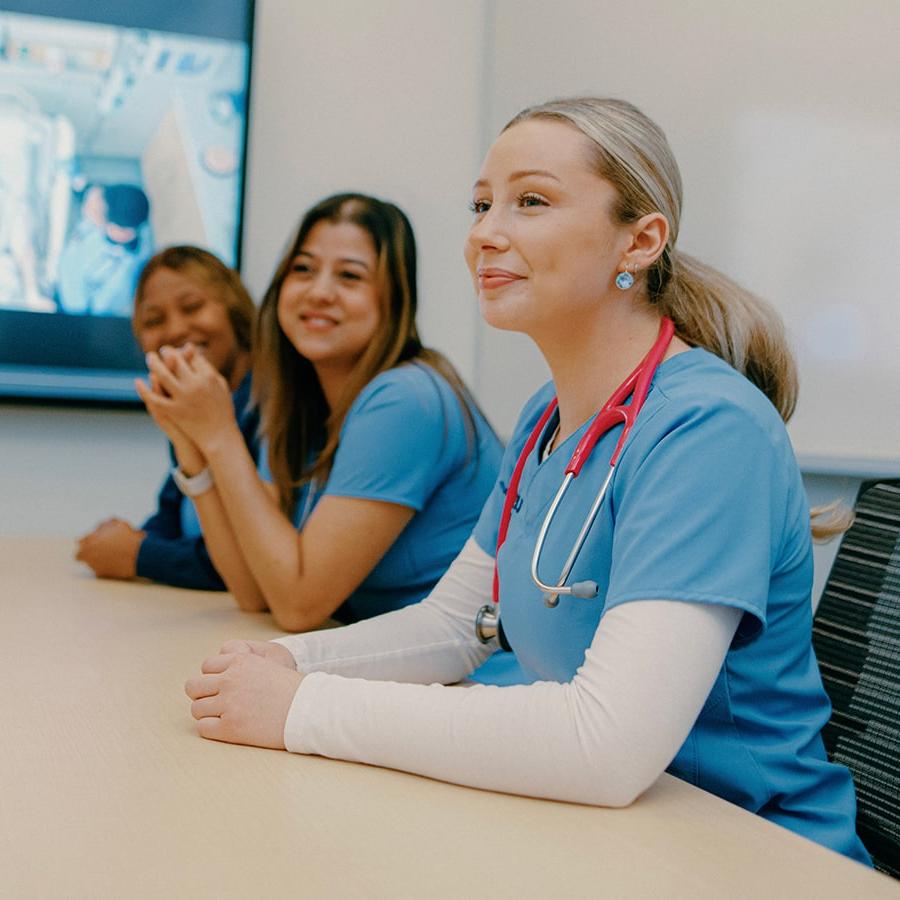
(244, 693)
(188, 399)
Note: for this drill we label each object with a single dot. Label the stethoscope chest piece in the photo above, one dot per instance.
(488, 626)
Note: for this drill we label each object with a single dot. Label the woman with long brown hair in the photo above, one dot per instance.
(648, 539)
(377, 460)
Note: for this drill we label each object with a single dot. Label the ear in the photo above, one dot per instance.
(649, 235)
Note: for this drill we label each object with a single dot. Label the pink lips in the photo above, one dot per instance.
(491, 277)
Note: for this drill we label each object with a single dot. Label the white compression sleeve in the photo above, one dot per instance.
(602, 739)
(429, 641)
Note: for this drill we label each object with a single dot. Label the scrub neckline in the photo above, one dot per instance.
(666, 367)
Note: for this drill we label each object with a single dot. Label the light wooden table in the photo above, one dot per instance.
(106, 790)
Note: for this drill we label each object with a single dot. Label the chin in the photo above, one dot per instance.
(308, 347)
(502, 316)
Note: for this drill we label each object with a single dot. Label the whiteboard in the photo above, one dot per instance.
(785, 120)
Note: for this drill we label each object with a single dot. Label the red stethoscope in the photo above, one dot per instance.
(614, 412)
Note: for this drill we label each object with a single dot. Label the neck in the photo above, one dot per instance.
(332, 380)
(594, 356)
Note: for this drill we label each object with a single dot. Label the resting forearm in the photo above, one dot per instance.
(226, 553)
(265, 546)
(602, 738)
(181, 561)
(429, 641)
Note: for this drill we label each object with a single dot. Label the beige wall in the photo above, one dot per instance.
(783, 117)
(382, 98)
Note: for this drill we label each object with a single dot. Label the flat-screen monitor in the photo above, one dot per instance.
(122, 130)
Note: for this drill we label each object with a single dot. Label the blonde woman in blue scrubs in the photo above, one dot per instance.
(695, 655)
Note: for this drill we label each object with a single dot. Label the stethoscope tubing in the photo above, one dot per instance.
(584, 590)
(614, 411)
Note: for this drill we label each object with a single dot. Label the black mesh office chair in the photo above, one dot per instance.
(856, 634)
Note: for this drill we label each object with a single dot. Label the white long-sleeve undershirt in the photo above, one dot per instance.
(602, 738)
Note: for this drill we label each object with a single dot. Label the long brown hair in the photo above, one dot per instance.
(295, 417)
(709, 310)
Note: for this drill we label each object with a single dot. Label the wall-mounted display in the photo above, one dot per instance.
(122, 131)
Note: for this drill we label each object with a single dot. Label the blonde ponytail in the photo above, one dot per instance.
(830, 520)
(713, 312)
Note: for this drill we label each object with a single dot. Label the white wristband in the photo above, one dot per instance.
(195, 485)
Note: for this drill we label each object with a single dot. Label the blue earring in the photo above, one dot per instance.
(624, 280)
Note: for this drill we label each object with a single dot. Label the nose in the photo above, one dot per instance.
(177, 329)
(321, 288)
(487, 233)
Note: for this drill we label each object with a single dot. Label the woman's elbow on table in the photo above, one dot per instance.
(618, 761)
(298, 615)
(623, 792)
(248, 597)
(616, 781)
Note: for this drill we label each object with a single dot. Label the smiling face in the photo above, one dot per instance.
(177, 309)
(543, 249)
(328, 305)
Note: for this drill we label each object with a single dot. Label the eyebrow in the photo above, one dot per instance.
(343, 259)
(521, 173)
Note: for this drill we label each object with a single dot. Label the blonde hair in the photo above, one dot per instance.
(709, 310)
(294, 415)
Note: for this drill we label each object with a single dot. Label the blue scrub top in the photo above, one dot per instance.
(706, 506)
(404, 441)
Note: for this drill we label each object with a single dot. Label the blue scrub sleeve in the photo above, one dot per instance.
(166, 521)
(397, 445)
(697, 514)
(180, 562)
(166, 556)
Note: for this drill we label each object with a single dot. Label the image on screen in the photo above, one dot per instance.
(115, 141)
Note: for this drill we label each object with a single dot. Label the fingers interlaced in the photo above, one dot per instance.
(214, 665)
(157, 364)
(177, 359)
(202, 365)
(212, 728)
(206, 707)
(202, 686)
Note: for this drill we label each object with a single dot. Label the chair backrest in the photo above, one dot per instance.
(856, 634)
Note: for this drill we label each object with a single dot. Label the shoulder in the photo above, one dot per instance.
(700, 389)
(414, 388)
(701, 384)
